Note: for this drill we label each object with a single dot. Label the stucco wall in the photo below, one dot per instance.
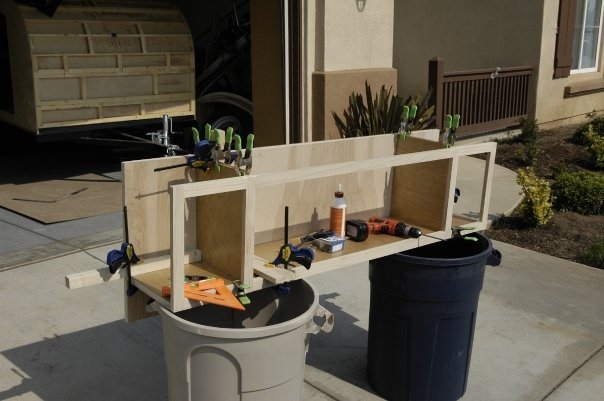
(343, 48)
(470, 34)
(467, 34)
(347, 39)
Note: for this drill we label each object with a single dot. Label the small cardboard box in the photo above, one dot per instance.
(330, 244)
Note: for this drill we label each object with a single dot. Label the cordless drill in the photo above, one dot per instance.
(386, 225)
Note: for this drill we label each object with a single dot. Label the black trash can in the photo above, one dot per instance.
(422, 317)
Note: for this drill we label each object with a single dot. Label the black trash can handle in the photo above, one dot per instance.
(494, 258)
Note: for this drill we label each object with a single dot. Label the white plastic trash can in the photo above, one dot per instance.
(214, 353)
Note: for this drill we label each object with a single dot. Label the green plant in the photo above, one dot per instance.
(536, 206)
(595, 145)
(529, 130)
(593, 255)
(424, 117)
(528, 156)
(597, 127)
(581, 192)
(380, 114)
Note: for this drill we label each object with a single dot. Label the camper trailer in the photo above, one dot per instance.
(84, 65)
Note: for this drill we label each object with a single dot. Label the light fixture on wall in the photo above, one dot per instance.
(361, 5)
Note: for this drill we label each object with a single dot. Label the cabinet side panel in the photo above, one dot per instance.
(220, 232)
(420, 192)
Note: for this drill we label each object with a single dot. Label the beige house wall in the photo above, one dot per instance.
(343, 47)
(480, 35)
(466, 34)
(552, 108)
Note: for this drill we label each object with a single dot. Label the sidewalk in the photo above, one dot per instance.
(539, 334)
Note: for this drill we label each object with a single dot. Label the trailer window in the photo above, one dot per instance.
(6, 82)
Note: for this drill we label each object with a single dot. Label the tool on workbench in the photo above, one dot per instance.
(386, 225)
(241, 288)
(289, 253)
(198, 291)
(357, 230)
(310, 237)
(456, 234)
(407, 119)
(226, 150)
(125, 257)
(201, 158)
(243, 159)
(451, 124)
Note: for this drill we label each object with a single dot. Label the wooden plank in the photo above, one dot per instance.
(103, 275)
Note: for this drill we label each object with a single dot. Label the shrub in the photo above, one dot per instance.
(536, 207)
(595, 145)
(528, 156)
(529, 130)
(581, 192)
(580, 135)
(593, 255)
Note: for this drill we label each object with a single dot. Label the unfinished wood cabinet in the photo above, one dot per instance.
(184, 221)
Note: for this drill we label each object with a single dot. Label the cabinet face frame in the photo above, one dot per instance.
(250, 185)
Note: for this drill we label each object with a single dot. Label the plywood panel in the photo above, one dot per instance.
(147, 60)
(117, 44)
(119, 86)
(63, 115)
(92, 61)
(169, 107)
(112, 27)
(50, 44)
(121, 110)
(181, 60)
(163, 28)
(49, 62)
(59, 89)
(146, 195)
(421, 190)
(39, 26)
(173, 83)
(168, 43)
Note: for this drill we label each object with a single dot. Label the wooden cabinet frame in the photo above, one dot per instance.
(183, 221)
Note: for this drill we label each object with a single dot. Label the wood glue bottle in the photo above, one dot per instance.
(337, 214)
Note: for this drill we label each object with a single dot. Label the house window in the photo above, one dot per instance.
(587, 36)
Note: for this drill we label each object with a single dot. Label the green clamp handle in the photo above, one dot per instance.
(237, 139)
(249, 146)
(195, 135)
(228, 137)
(448, 121)
(208, 129)
(405, 114)
(413, 111)
(455, 122)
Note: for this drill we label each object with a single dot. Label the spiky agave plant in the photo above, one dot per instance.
(380, 114)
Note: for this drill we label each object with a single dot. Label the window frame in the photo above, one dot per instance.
(582, 32)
